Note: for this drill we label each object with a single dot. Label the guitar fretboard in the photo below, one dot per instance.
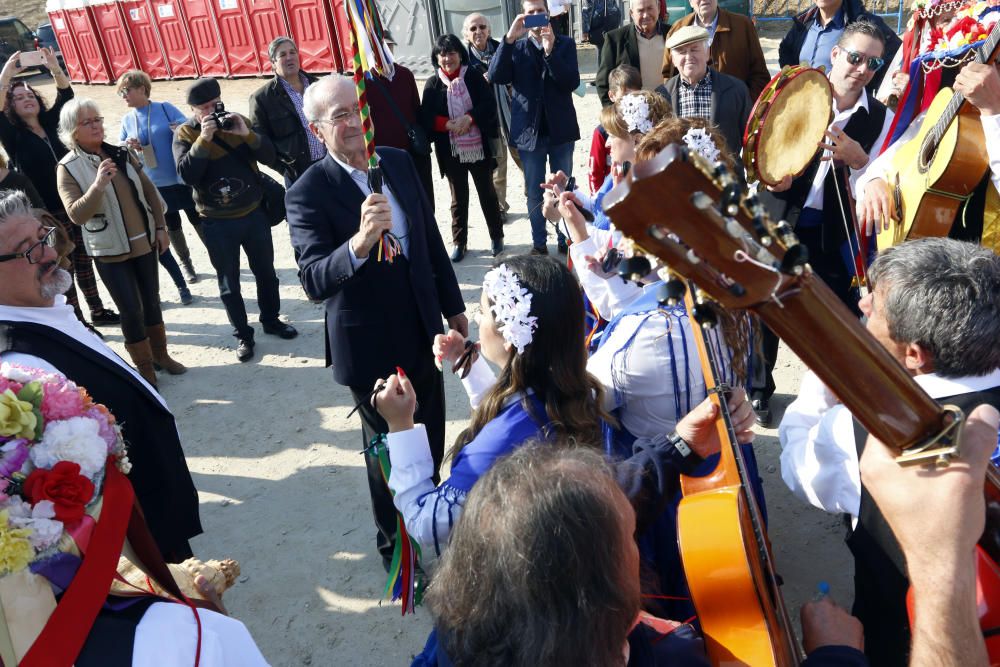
(984, 54)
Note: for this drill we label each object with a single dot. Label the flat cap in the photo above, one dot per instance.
(686, 35)
(203, 90)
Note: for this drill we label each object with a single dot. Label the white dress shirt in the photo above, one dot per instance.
(400, 228)
(819, 455)
(840, 119)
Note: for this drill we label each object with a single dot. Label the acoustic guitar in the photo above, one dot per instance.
(723, 240)
(933, 174)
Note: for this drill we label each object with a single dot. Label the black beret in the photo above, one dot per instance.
(203, 90)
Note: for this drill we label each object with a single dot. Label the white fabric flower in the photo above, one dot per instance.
(15, 373)
(635, 112)
(45, 528)
(699, 141)
(511, 307)
(77, 439)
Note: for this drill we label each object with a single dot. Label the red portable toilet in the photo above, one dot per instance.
(241, 48)
(85, 31)
(113, 32)
(342, 27)
(67, 45)
(206, 40)
(267, 19)
(145, 39)
(175, 40)
(314, 34)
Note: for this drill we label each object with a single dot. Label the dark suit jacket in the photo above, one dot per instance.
(384, 314)
(791, 43)
(621, 47)
(730, 106)
(539, 82)
(273, 115)
(735, 51)
(483, 112)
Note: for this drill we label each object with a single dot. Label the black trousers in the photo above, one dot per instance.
(224, 237)
(458, 174)
(429, 384)
(134, 286)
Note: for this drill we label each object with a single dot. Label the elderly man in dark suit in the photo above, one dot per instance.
(379, 315)
(698, 90)
(639, 45)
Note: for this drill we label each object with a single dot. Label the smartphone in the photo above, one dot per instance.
(31, 59)
(570, 186)
(536, 21)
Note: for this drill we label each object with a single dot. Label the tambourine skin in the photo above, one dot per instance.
(786, 124)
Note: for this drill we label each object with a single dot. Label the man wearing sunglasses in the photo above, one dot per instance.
(38, 329)
(817, 202)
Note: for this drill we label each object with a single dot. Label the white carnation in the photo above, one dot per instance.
(77, 439)
(45, 529)
(15, 373)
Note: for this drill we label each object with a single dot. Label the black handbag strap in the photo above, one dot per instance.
(232, 151)
(392, 103)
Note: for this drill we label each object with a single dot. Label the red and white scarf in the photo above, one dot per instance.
(467, 147)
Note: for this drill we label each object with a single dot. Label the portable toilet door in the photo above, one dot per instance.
(114, 35)
(175, 39)
(313, 32)
(267, 19)
(342, 27)
(206, 39)
(67, 45)
(145, 39)
(237, 37)
(81, 23)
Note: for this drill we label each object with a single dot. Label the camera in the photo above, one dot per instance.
(222, 118)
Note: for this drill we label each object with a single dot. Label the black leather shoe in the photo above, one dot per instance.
(458, 254)
(105, 317)
(244, 351)
(497, 247)
(763, 409)
(539, 250)
(286, 331)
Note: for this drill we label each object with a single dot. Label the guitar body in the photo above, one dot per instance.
(931, 180)
(723, 569)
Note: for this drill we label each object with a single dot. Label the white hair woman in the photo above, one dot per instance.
(120, 212)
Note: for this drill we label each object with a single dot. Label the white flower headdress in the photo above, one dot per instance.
(511, 306)
(635, 112)
(699, 141)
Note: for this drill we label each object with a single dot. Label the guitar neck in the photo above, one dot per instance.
(985, 53)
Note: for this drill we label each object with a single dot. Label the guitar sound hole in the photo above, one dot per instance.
(928, 149)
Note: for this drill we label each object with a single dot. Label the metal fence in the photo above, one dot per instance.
(783, 10)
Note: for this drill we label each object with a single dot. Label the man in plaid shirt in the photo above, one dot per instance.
(697, 90)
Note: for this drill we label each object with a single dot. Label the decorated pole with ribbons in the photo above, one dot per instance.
(370, 54)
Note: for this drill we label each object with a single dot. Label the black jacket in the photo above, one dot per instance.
(273, 115)
(621, 47)
(383, 314)
(731, 106)
(791, 43)
(483, 112)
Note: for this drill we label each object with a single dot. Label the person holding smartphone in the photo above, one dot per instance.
(541, 68)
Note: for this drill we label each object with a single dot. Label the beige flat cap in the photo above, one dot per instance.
(686, 35)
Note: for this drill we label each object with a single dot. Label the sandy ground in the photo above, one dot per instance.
(278, 465)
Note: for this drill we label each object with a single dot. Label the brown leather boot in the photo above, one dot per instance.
(158, 344)
(142, 359)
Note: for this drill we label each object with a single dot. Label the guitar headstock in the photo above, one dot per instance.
(701, 222)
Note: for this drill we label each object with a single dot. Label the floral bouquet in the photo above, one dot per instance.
(54, 445)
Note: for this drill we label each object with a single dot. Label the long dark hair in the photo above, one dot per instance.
(8, 110)
(554, 364)
(536, 571)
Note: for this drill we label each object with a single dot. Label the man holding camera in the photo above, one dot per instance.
(217, 154)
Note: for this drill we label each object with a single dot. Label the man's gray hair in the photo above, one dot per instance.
(14, 203)
(70, 115)
(272, 48)
(943, 295)
(318, 99)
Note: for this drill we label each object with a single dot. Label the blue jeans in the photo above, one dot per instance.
(559, 156)
(223, 238)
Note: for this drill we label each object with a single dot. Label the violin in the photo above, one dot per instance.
(722, 239)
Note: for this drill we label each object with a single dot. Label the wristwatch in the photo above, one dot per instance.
(689, 459)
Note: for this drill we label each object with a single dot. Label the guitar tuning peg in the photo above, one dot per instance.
(796, 257)
(730, 199)
(760, 229)
(704, 315)
(719, 171)
(785, 233)
(634, 268)
(671, 292)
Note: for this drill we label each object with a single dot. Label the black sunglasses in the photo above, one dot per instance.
(874, 62)
(35, 251)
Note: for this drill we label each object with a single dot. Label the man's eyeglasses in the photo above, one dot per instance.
(339, 118)
(123, 93)
(36, 251)
(477, 28)
(90, 122)
(874, 62)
